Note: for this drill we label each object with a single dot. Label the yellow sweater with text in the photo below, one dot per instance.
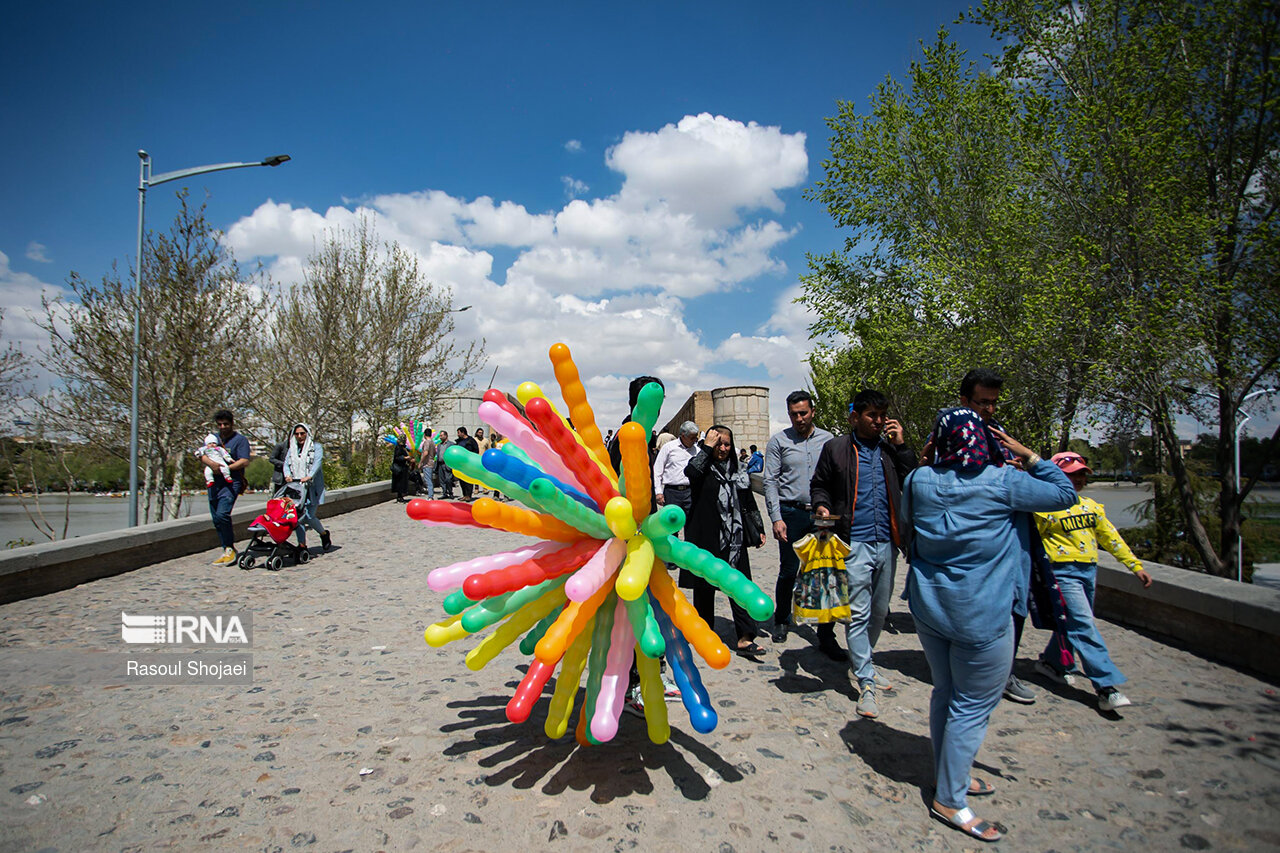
(1073, 535)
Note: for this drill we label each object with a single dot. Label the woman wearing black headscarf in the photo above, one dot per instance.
(723, 519)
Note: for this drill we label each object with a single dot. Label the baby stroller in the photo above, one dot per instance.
(272, 529)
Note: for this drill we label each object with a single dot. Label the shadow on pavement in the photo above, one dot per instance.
(522, 755)
(898, 756)
(808, 670)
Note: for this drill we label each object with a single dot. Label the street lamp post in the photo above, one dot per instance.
(146, 179)
(1240, 428)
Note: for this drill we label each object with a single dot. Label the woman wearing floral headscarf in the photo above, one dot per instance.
(302, 465)
(965, 564)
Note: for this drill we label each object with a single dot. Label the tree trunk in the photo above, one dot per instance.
(1196, 534)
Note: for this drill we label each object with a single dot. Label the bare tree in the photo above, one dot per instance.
(363, 339)
(196, 307)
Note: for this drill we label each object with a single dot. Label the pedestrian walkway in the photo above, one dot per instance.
(356, 735)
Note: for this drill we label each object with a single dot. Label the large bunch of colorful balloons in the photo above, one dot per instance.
(414, 435)
(594, 593)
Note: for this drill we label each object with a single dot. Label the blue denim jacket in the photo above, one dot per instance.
(967, 557)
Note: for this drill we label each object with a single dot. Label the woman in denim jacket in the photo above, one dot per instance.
(966, 560)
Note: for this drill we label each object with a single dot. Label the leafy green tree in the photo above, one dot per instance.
(1095, 217)
(1172, 147)
(956, 257)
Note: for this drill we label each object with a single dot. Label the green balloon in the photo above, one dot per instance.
(461, 459)
(645, 627)
(456, 602)
(551, 500)
(664, 522)
(535, 634)
(648, 404)
(598, 657)
(493, 609)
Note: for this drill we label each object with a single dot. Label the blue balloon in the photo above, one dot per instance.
(522, 474)
(692, 693)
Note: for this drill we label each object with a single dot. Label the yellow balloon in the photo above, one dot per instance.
(633, 577)
(516, 626)
(620, 518)
(655, 706)
(575, 660)
(445, 632)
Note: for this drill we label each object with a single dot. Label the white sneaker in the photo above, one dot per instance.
(670, 692)
(635, 702)
(1109, 699)
(1054, 674)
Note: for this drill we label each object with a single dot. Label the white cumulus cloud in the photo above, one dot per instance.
(698, 213)
(710, 166)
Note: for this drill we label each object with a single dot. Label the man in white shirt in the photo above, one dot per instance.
(670, 483)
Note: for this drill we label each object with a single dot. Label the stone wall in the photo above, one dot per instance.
(53, 566)
(745, 410)
(459, 408)
(698, 408)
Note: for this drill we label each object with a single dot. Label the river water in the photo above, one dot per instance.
(89, 514)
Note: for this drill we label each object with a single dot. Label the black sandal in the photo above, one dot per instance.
(751, 650)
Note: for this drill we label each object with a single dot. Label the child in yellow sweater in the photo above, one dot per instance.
(1071, 539)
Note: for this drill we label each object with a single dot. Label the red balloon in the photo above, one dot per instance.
(526, 696)
(493, 395)
(442, 512)
(576, 457)
(530, 572)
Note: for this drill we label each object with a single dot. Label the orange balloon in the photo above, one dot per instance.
(506, 517)
(575, 397)
(633, 441)
(686, 619)
(580, 732)
(570, 623)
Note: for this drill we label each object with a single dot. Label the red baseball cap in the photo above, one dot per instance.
(1071, 462)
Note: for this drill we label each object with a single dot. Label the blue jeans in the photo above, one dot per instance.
(1078, 582)
(222, 498)
(308, 519)
(870, 566)
(799, 522)
(968, 681)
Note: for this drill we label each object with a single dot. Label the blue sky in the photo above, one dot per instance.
(626, 179)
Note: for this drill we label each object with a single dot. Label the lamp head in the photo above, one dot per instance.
(276, 160)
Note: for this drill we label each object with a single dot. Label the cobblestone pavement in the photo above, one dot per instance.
(358, 736)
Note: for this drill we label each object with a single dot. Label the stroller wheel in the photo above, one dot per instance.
(275, 564)
(304, 556)
(246, 562)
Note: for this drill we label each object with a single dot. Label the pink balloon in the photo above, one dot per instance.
(599, 568)
(519, 431)
(613, 685)
(450, 577)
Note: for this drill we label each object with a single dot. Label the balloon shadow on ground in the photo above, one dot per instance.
(522, 755)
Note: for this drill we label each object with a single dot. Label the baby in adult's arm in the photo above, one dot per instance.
(219, 454)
